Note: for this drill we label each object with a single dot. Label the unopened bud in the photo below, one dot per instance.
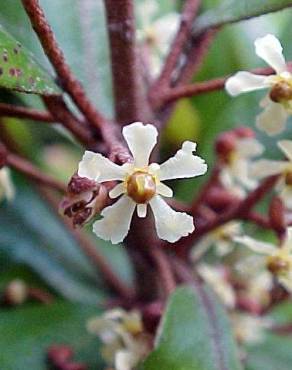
(225, 144)
(244, 132)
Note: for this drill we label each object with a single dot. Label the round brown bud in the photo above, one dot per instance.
(225, 144)
(16, 292)
(141, 187)
(277, 265)
(281, 91)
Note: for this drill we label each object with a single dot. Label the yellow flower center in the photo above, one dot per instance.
(281, 92)
(141, 186)
(288, 178)
(278, 264)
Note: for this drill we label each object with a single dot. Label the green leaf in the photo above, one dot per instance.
(231, 11)
(82, 35)
(20, 72)
(274, 352)
(194, 335)
(28, 332)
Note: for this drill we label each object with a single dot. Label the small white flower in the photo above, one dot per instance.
(264, 168)
(278, 103)
(216, 277)
(125, 343)
(278, 260)
(141, 185)
(156, 35)
(6, 185)
(221, 238)
(249, 329)
(235, 175)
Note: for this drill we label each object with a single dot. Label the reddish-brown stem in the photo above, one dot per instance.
(130, 103)
(67, 79)
(61, 113)
(198, 88)
(33, 173)
(258, 219)
(188, 14)
(40, 295)
(237, 212)
(90, 250)
(8, 110)
(164, 269)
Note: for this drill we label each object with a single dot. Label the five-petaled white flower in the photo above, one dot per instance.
(264, 168)
(6, 186)
(278, 260)
(142, 185)
(124, 341)
(278, 103)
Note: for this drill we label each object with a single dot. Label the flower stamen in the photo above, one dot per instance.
(141, 187)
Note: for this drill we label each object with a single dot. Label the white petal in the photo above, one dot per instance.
(117, 191)
(6, 186)
(255, 245)
(116, 220)
(125, 360)
(141, 140)
(240, 170)
(286, 282)
(249, 147)
(286, 147)
(286, 196)
(243, 82)
(170, 225)
(142, 210)
(264, 168)
(164, 190)
(164, 29)
(96, 167)
(273, 119)
(184, 164)
(270, 50)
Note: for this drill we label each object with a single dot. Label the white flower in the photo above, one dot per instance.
(264, 168)
(141, 185)
(216, 277)
(278, 103)
(221, 238)
(249, 329)
(125, 343)
(6, 186)
(156, 35)
(278, 260)
(235, 175)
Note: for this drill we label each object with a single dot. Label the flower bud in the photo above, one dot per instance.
(85, 198)
(225, 144)
(16, 292)
(244, 132)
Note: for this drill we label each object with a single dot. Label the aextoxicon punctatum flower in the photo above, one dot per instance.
(125, 342)
(264, 168)
(6, 185)
(277, 260)
(277, 105)
(142, 185)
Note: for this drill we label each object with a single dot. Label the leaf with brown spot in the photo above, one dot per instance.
(19, 71)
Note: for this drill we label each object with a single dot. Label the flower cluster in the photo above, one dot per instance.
(125, 343)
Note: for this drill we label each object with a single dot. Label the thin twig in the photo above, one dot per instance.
(130, 102)
(188, 15)
(164, 268)
(90, 250)
(8, 110)
(237, 212)
(33, 173)
(68, 81)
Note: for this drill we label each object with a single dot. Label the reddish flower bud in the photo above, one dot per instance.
(225, 144)
(59, 354)
(244, 132)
